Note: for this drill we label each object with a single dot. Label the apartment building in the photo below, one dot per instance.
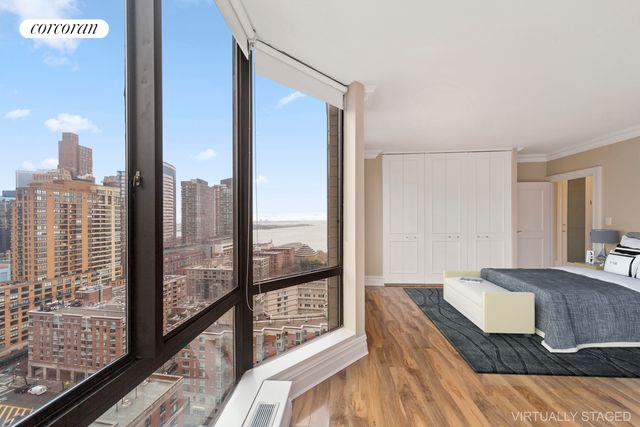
(64, 227)
(223, 202)
(207, 370)
(168, 204)
(71, 343)
(18, 298)
(198, 213)
(119, 180)
(73, 157)
(301, 301)
(6, 213)
(174, 299)
(156, 401)
(209, 281)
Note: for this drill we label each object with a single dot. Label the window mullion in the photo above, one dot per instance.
(144, 137)
(243, 240)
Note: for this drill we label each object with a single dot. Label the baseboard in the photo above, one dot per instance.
(312, 371)
(374, 280)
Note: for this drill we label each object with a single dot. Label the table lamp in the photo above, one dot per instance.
(604, 236)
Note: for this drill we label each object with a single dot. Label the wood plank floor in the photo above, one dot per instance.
(414, 377)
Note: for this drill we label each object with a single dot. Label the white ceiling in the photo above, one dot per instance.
(468, 74)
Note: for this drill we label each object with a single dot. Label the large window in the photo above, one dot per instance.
(63, 210)
(197, 172)
(154, 247)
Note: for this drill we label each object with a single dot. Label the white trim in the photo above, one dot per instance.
(306, 366)
(483, 150)
(532, 158)
(612, 138)
(596, 174)
(371, 154)
(238, 22)
(374, 280)
(315, 369)
(282, 68)
(601, 141)
(282, 57)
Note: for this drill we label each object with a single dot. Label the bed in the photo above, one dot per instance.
(578, 307)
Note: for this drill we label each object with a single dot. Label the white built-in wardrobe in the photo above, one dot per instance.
(449, 211)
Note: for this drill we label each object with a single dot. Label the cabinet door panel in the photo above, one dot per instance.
(453, 188)
(436, 167)
(413, 195)
(395, 177)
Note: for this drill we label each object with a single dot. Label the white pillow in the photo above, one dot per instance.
(630, 242)
(621, 264)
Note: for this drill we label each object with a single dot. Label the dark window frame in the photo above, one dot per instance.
(147, 352)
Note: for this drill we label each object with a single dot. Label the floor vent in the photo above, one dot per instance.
(264, 414)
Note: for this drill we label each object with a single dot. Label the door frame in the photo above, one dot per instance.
(596, 181)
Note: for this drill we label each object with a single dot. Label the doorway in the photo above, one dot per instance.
(574, 218)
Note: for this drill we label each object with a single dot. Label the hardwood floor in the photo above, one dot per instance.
(414, 377)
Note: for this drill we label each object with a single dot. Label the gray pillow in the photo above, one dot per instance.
(634, 234)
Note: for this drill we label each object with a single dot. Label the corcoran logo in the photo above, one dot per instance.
(64, 28)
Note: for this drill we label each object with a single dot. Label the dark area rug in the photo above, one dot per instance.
(518, 354)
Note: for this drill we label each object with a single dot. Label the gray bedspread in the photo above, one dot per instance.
(574, 310)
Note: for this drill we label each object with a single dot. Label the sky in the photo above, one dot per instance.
(48, 87)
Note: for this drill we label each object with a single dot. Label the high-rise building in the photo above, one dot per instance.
(6, 213)
(198, 213)
(168, 204)
(223, 202)
(62, 228)
(74, 157)
(119, 180)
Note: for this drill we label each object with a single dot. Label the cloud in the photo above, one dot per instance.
(50, 163)
(206, 154)
(44, 9)
(55, 60)
(66, 122)
(27, 166)
(261, 179)
(290, 98)
(18, 113)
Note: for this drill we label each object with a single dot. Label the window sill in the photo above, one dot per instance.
(305, 366)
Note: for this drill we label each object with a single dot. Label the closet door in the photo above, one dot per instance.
(403, 215)
(490, 209)
(445, 247)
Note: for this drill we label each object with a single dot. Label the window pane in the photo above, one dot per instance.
(198, 153)
(62, 210)
(288, 317)
(188, 390)
(296, 203)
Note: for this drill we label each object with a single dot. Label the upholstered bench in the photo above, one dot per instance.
(490, 307)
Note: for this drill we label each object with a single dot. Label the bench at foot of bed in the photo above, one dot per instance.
(490, 307)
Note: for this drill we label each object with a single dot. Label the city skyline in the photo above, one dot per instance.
(290, 138)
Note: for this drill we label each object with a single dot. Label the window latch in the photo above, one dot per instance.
(137, 180)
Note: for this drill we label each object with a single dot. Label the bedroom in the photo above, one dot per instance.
(320, 213)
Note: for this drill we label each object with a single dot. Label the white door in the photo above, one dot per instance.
(488, 178)
(535, 228)
(403, 218)
(445, 248)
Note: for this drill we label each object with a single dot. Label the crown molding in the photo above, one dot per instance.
(532, 158)
(371, 154)
(592, 144)
(612, 138)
